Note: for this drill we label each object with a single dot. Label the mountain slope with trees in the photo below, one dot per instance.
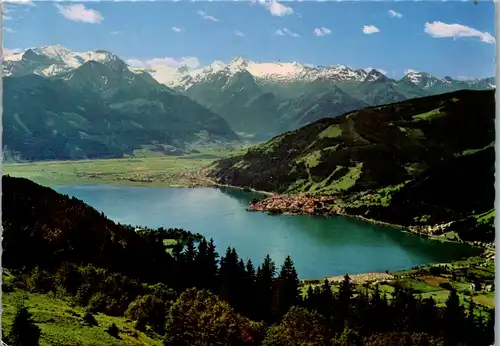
(120, 286)
(101, 110)
(248, 103)
(419, 162)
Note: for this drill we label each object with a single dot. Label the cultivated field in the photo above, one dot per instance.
(144, 168)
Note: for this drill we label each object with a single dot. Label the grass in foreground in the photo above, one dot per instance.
(62, 323)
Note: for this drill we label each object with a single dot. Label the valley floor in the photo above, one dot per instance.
(145, 169)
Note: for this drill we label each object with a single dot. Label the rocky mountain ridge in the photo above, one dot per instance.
(55, 59)
(101, 110)
(258, 100)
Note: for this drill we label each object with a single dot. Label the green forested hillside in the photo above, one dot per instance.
(265, 108)
(100, 110)
(418, 162)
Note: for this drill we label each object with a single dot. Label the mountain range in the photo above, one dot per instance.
(173, 106)
(95, 109)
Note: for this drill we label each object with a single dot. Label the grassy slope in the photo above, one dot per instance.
(407, 163)
(62, 324)
(61, 321)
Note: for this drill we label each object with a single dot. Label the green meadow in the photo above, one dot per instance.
(145, 167)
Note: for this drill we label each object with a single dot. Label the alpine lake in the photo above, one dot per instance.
(319, 246)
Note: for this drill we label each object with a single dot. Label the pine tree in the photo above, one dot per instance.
(240, 293)
(201, 280)
(453, 317)
(346, 289)
(24, 331)
(428, 316)
(249, 292)
(379, 307)
(309, 301)
(188, 264)
(250, 269)
(265, 288)
(288, 287)
(326, 301)
(344, 303)
(228, 264)
(212, 264)
(360, 313)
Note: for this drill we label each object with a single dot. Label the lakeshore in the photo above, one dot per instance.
(192, 172)
(472, 278)
(329, 206)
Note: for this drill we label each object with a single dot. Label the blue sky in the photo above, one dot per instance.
(443, 38)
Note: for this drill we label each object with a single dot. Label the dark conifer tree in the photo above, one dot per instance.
(228, 267)
(400, 318)
(288, 285)
(201, 280)
(379, 307)
(344, 298)
(249, 292)
(326, 301)
(188, 264)
(265, 288)
(428, 320)
(360, 312)
(309, 299)
(489, 328)
(453, 317)
(24, 332)
(212, 264)
(178, 274)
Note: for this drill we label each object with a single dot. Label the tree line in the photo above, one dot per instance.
(227, 301)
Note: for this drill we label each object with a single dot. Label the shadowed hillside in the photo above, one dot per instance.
(423, 161)
(101, 111)
(53, 229)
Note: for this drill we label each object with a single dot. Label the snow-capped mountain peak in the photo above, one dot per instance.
(216, 65)
(238, 61)
(373, 75)
(54, 59)
(413, 77)
(53, 51)
(236, 65)
(425, 80)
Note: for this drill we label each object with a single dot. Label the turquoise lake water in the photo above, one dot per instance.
(319, 246)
